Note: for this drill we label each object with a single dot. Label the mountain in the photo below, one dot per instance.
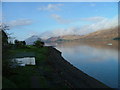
(63, 38)
(102, 34)
(71, 37)
(107, 34)
(31, 40)
(98, 35)
(52, 39)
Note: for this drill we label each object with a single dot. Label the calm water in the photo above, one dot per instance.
(97, 59)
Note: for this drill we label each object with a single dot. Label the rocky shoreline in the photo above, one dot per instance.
(73, 77)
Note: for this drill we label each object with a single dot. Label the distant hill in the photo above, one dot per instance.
(107, 34)
(63, 38)
(31, 40)
(102, 34)
(98, 35)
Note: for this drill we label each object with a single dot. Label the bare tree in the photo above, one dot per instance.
(4, 27)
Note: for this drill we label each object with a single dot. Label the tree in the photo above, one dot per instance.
(24, 43)
(3, 28)
(19, 43)
(6, 62)
(39, 43)
(4, 39)
(16, 41)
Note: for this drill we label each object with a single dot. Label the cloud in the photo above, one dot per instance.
(20, 22)
(50, 7)
(101, 25)
(59, 19)
(59, 32)
(94, 19)
(104, 23)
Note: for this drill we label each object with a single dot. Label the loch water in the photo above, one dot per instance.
(97, 59)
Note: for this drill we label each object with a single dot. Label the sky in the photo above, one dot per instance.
(48, 19)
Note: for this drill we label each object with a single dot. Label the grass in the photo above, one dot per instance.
(42, 73)
(22, 76)
(43, 82)
(8, 83)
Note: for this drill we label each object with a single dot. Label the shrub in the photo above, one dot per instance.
(38, 43)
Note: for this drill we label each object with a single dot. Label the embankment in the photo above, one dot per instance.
(72, 76)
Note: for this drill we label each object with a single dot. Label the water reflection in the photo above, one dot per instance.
(97, 59)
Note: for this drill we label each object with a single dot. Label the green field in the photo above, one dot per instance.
(31, 76)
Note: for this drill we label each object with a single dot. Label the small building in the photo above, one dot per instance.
(23, 59)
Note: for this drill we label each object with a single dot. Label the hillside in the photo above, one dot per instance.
(102, 34)
(71, 37)
(63, 38)
(31, 39)
(107, 34)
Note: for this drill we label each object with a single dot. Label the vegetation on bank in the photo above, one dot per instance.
(41, 75)
(58, 74)
(21, 76)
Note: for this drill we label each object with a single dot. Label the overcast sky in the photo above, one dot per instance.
(54, 18)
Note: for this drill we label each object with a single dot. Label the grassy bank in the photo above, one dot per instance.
(41, 75)
(51, 71)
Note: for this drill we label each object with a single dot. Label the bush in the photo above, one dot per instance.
(38, 43)
(20, 44)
